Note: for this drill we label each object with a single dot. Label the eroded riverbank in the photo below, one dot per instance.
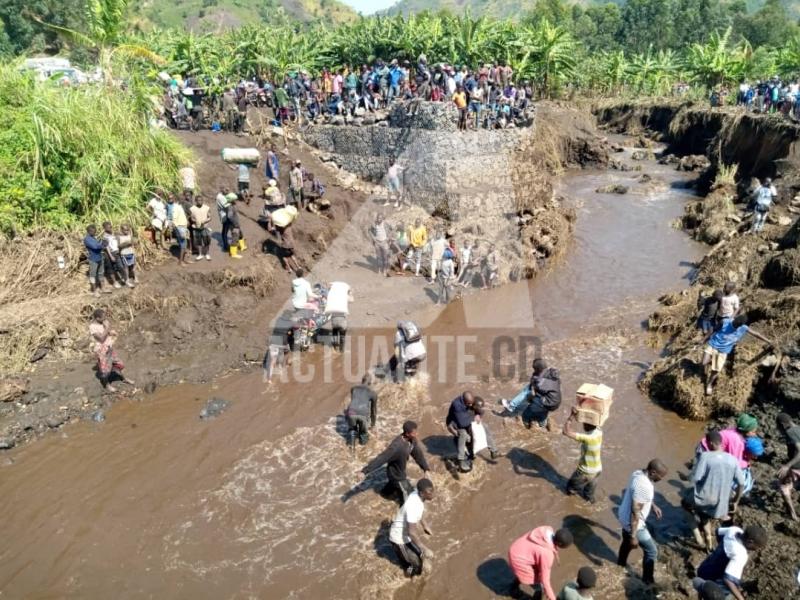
(251, 504)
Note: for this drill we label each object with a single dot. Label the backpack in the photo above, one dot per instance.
(411, 333)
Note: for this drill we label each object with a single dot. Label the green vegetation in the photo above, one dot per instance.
(549, 55)
(73, 155)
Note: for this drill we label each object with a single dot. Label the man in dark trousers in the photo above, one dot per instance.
(362, 412)
(395, 457)
(459, 424)
(543, 393)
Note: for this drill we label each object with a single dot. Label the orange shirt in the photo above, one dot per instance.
(460, 99)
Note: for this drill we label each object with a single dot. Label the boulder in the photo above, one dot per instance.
(694, 162)
(669, 159)
(639, 155)
(12, 388)
(612, 188)
(214, 407)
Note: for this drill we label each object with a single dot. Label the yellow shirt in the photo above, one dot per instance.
(591, 444)
(460, 98)
(418, 237)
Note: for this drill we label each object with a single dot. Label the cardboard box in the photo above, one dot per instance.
(594, 403)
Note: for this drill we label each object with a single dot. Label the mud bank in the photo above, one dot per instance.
(761, 145)
(761, 380)
(180, 324)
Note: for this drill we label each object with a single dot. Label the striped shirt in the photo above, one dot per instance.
(641, 491)
(591, 443)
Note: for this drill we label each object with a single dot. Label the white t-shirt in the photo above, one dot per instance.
(394, 171)
(301, 292)
(728, 306)
(410, 512)
(641, 491)
(437, 248)
(735, 551)
(338, 302)
(159, 209)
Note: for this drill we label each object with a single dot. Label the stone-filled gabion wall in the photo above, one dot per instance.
(449, 173)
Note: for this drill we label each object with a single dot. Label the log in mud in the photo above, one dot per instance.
(263, 500)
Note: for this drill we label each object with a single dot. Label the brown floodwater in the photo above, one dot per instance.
(156, 503)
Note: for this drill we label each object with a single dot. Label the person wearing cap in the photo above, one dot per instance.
(296, 185)
(725, 566)
(581, 589)
(531, 558)
(714, 475)
(763, 197)
(741, 442)
(395, 457)
(721, 342)
(789, 472)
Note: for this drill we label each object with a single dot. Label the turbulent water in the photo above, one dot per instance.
(265, 502)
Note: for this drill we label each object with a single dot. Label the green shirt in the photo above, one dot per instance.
(570, 592)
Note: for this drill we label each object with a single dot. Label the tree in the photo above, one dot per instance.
(646, 23)
(769, 26)
(104, 22)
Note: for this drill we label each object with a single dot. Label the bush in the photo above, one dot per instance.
(73, 155)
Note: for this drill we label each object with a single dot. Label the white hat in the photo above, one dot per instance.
(272, 183)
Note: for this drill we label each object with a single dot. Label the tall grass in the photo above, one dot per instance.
(73, 155)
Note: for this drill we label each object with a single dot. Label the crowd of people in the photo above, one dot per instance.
(486, 97)
(401, 249)
(719, 480)
(768, 96)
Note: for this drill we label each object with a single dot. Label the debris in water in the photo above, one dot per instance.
(98, 416)
(214, 408)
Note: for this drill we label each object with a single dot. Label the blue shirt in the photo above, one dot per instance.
(94, 249)
(727, 336)
(396, 75)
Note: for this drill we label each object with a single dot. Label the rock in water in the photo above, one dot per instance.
(214, 408)
(613, 188)
(99, 416)
(639, 155)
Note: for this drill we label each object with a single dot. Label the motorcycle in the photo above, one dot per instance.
(306, 323)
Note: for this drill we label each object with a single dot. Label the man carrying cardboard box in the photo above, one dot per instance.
(584, 480)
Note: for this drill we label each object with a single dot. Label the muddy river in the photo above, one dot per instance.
(157, 503)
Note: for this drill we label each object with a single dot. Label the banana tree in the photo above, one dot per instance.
(105, 21)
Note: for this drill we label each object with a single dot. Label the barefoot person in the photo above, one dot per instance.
(532, 556)
(103, 338)
(789, 473)
(633, 512)
(405, 533)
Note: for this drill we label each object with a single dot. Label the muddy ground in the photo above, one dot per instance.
(758, 379)
(192, 323)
